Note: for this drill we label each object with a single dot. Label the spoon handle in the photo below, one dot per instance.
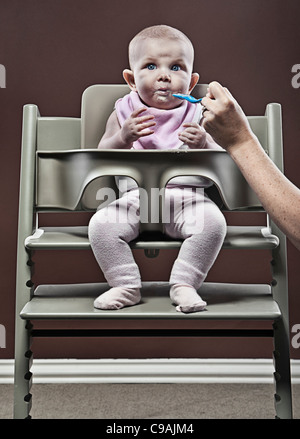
(187, 98)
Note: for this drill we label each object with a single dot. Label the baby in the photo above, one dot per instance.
(150, 117)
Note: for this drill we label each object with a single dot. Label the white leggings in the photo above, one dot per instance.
(193, 217)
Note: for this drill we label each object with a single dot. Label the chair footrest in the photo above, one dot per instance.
(224, 302)
(76, 237)
(239, 332)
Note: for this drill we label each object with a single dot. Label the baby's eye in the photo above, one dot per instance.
(175, 68)
(151, 66)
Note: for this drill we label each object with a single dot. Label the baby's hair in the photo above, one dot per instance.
(158, 31)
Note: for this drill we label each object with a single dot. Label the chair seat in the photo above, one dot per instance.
(76, 237)
(225, 302)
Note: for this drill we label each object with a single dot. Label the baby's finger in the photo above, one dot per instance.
(194, 128)
(144, 118)
(135, 113)
(145, 132)
(191, 125)
(190, 130)
(184, 136)
(142, 126)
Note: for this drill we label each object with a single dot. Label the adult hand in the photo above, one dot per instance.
(228, 125)
(224, 119)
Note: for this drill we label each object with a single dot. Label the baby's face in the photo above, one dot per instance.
(163, 67)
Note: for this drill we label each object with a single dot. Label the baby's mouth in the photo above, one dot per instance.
(163, 91)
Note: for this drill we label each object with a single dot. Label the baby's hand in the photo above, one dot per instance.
(194, 135)
(137, 126)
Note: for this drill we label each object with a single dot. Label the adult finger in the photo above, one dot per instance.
(208, 104)
(216, 90)
(228, 93)
(216, 94)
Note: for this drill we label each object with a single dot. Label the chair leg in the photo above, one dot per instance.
(23, 354)
(282, 375)
(23, 376)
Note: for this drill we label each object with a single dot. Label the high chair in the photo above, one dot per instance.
(62, 171)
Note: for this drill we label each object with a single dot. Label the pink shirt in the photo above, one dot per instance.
(168, 122)
(165, 136)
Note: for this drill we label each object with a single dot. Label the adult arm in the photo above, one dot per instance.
(228, 125)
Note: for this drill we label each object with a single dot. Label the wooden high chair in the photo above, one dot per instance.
(60, 172)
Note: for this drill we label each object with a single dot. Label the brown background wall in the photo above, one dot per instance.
(53, 50)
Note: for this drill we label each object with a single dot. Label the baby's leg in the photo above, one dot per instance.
(203, 229)
(110, 230)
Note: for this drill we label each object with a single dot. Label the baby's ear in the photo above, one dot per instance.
(194, 79)
(129, 78)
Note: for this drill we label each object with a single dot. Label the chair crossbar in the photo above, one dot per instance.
(76, 237)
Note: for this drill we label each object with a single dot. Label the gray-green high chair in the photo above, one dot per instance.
(60, 172)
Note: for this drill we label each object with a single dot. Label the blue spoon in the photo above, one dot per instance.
(187, 98)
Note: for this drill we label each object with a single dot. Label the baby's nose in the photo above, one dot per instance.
(164, 75)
